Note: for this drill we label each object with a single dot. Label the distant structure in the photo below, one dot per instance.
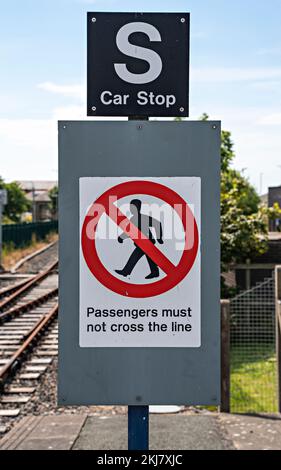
(274, 196)
(246, 275)
(38, 193)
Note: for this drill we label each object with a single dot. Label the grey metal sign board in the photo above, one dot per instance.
(138, 64)
(105, 366)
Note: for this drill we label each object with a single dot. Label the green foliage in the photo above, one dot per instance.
(53, 195)
(17, 202)
(244, 221)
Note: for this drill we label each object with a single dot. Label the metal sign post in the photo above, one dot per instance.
(138, 428)
(138, 416)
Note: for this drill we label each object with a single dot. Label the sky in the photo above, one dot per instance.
(235, 77)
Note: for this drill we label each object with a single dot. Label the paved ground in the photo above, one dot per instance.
(252, 432)
(167, 432)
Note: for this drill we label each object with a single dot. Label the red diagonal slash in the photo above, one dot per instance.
(139, 238)
(174, 274)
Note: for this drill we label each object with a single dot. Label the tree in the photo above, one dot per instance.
(17, 201)
(244, 221)
(53, 195)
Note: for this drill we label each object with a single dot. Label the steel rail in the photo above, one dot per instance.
(35, 333)
(26, 287)
(10, 289)
(28, 305)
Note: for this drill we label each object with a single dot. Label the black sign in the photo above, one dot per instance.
(138, 64)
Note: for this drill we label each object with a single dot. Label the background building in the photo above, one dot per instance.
(38, 193)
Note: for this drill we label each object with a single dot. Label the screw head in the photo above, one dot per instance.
(94, 108)
(139, 127)
(94, 19)
(214, 126)
(182, 20)
(181, 110)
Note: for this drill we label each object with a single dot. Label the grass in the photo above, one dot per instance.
(253, 379)
(11, 254)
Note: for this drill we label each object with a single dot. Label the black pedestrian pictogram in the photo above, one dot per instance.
(146, 224)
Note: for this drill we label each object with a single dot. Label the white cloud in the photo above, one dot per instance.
(271, 120)
(257, 146)
(28, 148)
(73, 91)
(262, 77)
(234, 74)
(65, 113)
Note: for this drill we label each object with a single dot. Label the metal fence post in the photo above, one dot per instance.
(278, 330)
(225, 356)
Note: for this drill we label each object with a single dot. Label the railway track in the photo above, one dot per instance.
(15, 292)
(37, 261)
(28, 338)
(12, 286)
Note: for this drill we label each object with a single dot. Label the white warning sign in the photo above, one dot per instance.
(140, 262)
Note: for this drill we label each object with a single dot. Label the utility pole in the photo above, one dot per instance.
(33, 204)
(261, 183)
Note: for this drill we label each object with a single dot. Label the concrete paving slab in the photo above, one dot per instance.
(177, 432)
(252, 432)
(18, 433)
(54, 433)
(48, 433)
(167, 432)
(103, 433)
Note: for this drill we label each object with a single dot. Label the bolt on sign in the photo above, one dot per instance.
(140, 262)
(138, 64)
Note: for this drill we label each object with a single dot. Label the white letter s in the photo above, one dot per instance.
(154, 60)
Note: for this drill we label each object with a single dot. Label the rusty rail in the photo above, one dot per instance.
(39, 277)
(34, 334)
(28, 305)
(15, 287)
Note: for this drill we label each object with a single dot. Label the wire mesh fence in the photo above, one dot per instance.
(253, 362)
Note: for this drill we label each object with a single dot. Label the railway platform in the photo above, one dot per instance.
(209, 431)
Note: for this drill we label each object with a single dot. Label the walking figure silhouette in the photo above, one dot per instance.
(144, 223)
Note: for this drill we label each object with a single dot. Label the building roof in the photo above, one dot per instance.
(274, 236)
(38, 197)
(37, 185)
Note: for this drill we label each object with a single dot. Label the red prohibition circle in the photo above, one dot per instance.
(171, 279)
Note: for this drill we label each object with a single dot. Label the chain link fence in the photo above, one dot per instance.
(253, 362)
